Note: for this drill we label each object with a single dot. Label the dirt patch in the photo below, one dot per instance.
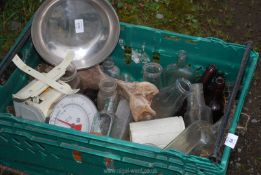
(241, 22)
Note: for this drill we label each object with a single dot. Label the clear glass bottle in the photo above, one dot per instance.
(152, 73)
(110, 68)
(127, 77)
(178, 70)
(107, 103)
(102, 123)
(123, 117)
(196, 107)
(107, 96)
(170, 99)
(197, 139)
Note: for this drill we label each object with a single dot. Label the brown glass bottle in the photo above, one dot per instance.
(207, 80)
(217, 100)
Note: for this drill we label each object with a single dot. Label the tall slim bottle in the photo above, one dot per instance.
(121, 121)
(196, 107)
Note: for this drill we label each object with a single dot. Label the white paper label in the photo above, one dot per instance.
(231, 140)
(79, 26)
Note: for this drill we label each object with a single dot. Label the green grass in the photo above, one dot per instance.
(183, 16)
(12, 20)
(179, 15)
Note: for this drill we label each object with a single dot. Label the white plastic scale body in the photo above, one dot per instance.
(47, 97)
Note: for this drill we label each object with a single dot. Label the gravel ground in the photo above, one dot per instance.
(246, 158)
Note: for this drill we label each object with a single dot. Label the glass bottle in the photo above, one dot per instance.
(196, 107)
(170, 99)
(102, 123)
(178, 70)
(110, 68)
(127, 77)
(217, 101)
(197, 139)
(207, 79)
(152, 73)
(107, 95)
(122, 119)
(107, 103)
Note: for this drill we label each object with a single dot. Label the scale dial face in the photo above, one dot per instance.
(74, 111)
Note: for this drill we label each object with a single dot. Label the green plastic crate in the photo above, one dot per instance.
(38, 148)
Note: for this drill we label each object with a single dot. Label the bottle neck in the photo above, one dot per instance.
(177, 91)
(183, 86)
(208, 74)
(196, 96)
(152, 70)
(110, 105)
(182, 57)
(108, 64)
(107, 93)
(108, 87)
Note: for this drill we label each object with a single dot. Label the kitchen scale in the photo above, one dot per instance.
(47, 99)
(83, 33)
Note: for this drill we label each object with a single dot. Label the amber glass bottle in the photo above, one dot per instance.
(217, 100)
(207, 80)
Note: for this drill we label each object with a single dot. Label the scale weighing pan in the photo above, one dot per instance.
(88, 28)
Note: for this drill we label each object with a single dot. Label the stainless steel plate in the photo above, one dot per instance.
(89, 28)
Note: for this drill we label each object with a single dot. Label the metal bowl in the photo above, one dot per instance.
(88, 28)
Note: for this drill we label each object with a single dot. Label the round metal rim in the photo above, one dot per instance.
(91, 105)
(110, 45)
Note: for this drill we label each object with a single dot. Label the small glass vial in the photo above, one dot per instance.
(111, 69)
(170, 99)
(196, 107)
(152, 73)
(178, 70)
